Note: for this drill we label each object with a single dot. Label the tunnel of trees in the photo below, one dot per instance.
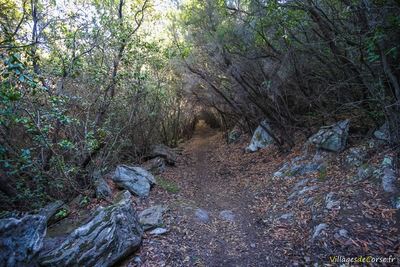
(85, 83)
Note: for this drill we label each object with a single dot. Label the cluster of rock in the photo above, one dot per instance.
(330, 138)
(111, 233)
(328, 142)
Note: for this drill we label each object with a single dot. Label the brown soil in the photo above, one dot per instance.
(214, 176)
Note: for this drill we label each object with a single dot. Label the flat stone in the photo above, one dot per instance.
(202, 215)
(278, 174)
(158, 231)
(152, 217)
(227, 215)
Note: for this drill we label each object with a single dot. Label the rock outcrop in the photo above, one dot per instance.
(301, 166)
(21, 240)
(112, 234)
(332, 138)
(165, 152)
(260, 138)
(134, 179)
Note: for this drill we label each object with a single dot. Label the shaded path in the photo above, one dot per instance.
(209, 185)
(213, 177)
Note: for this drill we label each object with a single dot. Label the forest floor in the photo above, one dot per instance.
(211, 177)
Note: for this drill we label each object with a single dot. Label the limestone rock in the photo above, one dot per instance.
(330, 202)
(286, 216)
(365, 171)
(165, 152)
(152, 217)
(234, 136)
(332, 138)
(158, 231)
(112, 234)
(135, 179)
(260, 138)
(21, 240)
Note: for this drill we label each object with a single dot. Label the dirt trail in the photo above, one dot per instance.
(231, 243)
(209, 186)
(262, 224)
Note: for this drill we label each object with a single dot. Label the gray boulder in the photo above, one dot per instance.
(152, 217)
(21, 240)
(135, 179)
(156, 165)
(165, 152)
(332, 138)
(383, 133)
(111, 235)
(260, 138)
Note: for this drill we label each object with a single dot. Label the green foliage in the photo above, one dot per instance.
(62, 213)
(168, 186)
